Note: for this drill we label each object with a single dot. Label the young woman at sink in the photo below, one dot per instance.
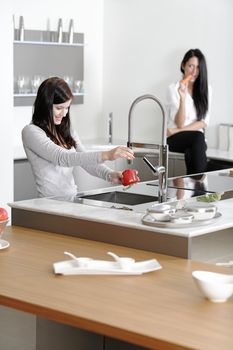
(53, 148)
(188, 104)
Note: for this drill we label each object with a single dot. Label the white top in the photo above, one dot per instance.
(52, 165)
(173, 102)
(124, 218)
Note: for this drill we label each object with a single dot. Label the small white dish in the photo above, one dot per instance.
(4, 244)
(80, 261)
(201, 211)
(123, 262)
(181, 218)
(217, 287)
(161, 212)
(161, 208)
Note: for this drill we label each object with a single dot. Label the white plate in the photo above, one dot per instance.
(149, 221)
(4, 244)
(102, 267)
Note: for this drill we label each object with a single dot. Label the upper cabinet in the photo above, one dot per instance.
(42, 54)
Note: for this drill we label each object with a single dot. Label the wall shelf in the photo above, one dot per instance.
(41, 55)
(28, 99)
(46, 43)
(34, 95)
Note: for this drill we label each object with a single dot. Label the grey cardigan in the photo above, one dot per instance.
(52, 165)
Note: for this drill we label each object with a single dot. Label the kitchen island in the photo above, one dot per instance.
(160, 310)
(209, 242)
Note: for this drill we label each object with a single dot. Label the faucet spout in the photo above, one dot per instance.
(162, 170)
(155, 99)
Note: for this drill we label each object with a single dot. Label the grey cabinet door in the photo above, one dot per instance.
(24, 183)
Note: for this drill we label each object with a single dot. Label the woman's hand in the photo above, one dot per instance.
(182, 90)
(115, 177)
(172, 131)
(118, 152)
(194, 126)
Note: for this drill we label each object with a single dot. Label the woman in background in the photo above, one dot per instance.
(53, 148)
(188, 104)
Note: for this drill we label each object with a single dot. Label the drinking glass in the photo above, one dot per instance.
(35, 83)
(23, 84)
(69, 80)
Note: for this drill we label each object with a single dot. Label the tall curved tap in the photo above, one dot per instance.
(162, 169)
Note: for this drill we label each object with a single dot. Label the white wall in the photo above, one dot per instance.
(6, 114)
(144, 42)
(87, 15)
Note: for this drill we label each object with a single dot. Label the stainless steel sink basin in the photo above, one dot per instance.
(118, 197)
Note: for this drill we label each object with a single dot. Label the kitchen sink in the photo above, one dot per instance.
(120, 198)
(138, 198)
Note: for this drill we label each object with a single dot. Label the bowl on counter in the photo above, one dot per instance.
(201, 211)
(161, 212)
(181, 217)
(217, 287)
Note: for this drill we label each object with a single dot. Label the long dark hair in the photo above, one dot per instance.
(200, 87)
(52, 91)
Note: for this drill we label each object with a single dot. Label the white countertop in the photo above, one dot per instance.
(124, 217)
(212, 153)
(19, 152)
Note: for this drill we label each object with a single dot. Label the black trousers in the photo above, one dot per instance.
(193, 145)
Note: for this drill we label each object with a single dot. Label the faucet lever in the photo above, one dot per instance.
(156, 170)
(160, 171)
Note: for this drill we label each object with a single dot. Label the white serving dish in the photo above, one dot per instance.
(149, 221)
(217, 287)
(103, 267)
(125, 263)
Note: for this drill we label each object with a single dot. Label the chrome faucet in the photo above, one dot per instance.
(162, 169)
(159, 171)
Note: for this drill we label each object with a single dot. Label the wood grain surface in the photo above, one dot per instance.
(159, 310)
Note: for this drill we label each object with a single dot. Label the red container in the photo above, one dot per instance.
(129, 177)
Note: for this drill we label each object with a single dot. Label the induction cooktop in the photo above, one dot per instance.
(207, 182)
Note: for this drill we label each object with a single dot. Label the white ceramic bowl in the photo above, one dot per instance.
(217, 287)
(201, 211)
(161, 212)
(181, 218)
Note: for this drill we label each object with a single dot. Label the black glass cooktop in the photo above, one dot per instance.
(208, 182)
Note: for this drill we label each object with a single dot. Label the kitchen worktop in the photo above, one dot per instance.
(212, 153)
(97, 144)
(124, 226)
(159, 310)
(124, 217)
